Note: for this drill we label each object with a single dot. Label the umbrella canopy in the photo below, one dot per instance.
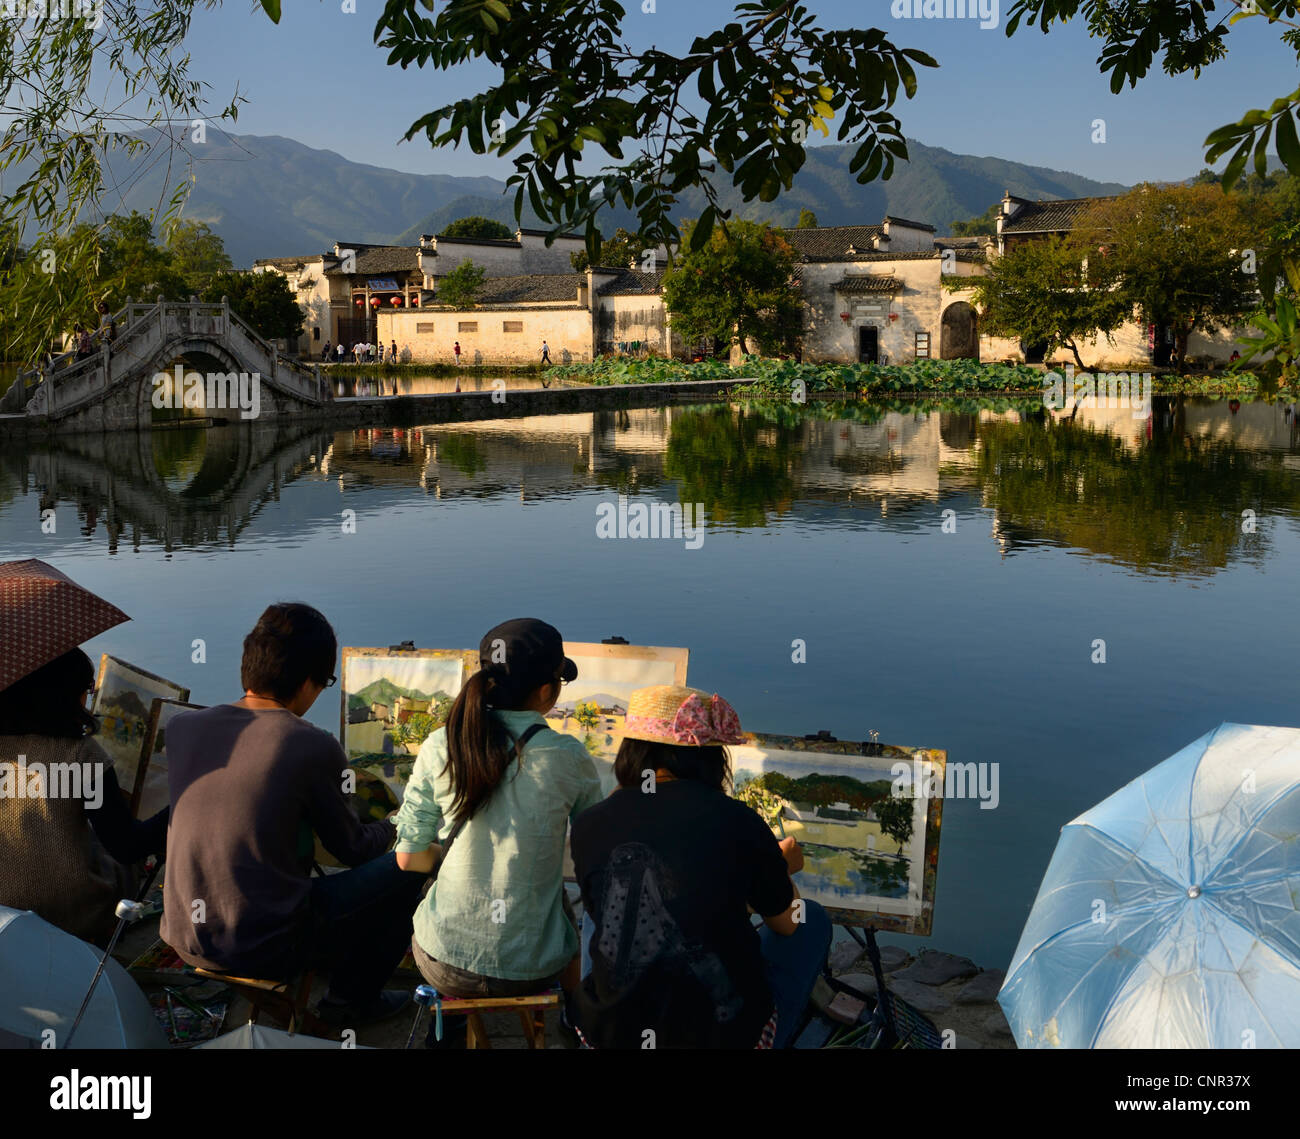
(46, 974)
(1168, 915)
(44, 614)
(258, 1038)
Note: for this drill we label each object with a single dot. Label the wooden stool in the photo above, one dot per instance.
(278, 997)
(531, 1010)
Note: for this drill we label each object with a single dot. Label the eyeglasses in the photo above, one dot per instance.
(333, 680)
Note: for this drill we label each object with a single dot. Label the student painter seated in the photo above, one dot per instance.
(670, 867)
(250, 782)
(67, 838)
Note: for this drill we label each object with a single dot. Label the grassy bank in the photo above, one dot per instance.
(939, 377)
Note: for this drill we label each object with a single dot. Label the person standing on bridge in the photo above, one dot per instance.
(339, 350)
(393, 352)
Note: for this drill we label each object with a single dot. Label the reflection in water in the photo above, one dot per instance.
(1165, 493)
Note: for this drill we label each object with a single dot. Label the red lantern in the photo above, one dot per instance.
(374, 302)
(395, 302)
(358, 302)
(415, 301)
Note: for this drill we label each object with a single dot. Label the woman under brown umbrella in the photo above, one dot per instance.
(67, 837)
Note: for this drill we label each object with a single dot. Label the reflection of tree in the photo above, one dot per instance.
(738, 462)
(178, 454)
(1173, 505)
(462, 452)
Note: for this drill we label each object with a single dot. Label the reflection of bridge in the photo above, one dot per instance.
(118, 474)
(113, 388)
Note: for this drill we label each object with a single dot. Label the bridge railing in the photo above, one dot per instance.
(141, 330)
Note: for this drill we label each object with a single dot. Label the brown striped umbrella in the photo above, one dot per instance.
(44, 614)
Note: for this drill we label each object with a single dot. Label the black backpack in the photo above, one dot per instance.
(644, 974)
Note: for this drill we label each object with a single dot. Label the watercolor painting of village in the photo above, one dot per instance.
(391, 702)
(593, 707)
(869, 856)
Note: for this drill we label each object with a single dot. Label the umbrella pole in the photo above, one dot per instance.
(127, 911)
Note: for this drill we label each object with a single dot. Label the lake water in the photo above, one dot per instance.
(825, 526)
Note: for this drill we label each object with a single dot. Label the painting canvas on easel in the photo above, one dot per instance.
(150, 795)
(869, 856)
(392, 700)
(123, 699)
(593, 707)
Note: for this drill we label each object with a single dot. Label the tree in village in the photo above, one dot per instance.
(1037, 292)
(197, 253)
(619, 251)
(264, 300)
(986, 223)
(737, 287)
(1182, 256)
(60, 132)
(479, 227)
(807, 219)
(133, 264)
(459, 287)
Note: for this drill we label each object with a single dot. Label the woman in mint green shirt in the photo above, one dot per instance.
(501, 787)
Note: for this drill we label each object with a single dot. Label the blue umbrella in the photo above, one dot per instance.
(1169, 916)
(45, 975)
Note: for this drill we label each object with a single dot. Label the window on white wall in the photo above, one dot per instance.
(512, 326)
(922, 345)
(425, 328)
(467, 326)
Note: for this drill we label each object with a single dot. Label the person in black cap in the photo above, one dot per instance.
(488, 805)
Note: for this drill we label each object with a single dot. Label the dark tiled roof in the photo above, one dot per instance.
(851, 286)
(531, 288)
(499, 242)
(976, 242)
(831, 243)
(375, 259)
(1049, 217)
(910, 224)
(632, 282)
(546, 232)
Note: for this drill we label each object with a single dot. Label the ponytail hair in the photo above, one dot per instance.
(479, 747)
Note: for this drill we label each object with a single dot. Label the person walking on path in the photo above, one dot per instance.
(546, 353)
(339, 350)
(325, 353)
(456, 349)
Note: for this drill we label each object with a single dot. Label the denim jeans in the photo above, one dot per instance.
(792, 964)
(361, 925)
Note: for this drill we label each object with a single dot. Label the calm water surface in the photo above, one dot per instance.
(824, 525)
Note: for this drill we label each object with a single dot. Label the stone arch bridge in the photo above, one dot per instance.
(113, 388)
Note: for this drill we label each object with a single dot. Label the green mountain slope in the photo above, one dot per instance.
(269, 196)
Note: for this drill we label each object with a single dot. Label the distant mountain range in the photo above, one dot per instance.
(269, 196)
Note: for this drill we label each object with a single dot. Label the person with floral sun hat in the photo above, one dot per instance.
(670, 867)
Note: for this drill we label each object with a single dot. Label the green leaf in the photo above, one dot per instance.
(272, 9)
(1288, 146)
(499, 10)
(703, 229)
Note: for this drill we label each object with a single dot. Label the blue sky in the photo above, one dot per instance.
(317, 77)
